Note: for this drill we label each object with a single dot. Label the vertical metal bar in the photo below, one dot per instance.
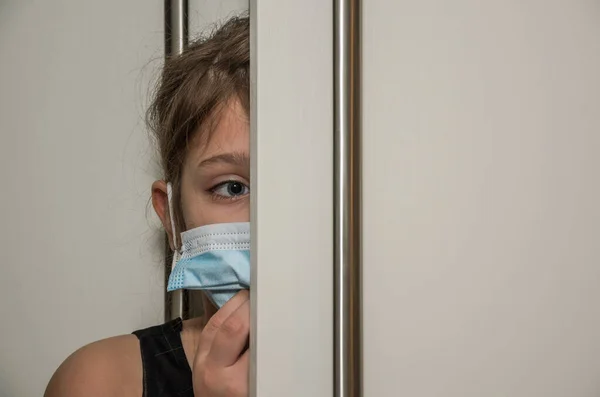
(347, 250)
(176, 26)
(176, 39)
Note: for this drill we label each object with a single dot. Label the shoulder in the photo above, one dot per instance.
(110, 367)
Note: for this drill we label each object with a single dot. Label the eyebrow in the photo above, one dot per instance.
(234, 158)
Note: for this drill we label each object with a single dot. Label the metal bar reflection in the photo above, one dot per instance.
(176, 26)
(176, 39)
(347, 250)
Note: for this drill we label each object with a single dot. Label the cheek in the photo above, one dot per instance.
(208, 212)
(227, 213)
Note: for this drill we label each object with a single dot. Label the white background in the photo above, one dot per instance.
(481, 191)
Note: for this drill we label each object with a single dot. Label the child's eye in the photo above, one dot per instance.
(229, 190)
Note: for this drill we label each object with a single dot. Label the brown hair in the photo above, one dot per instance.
(190, 93)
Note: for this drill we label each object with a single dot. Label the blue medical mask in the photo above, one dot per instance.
(214, 258)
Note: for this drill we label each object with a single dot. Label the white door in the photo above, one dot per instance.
(292, 205)
(481, 186)
(481, 228)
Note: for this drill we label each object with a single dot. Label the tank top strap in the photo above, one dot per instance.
(166, 370)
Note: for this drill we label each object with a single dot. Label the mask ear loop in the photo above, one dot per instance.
(171, 213)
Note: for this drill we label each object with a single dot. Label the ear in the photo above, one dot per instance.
(160, 202)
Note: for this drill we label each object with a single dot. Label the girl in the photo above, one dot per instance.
(199, 117)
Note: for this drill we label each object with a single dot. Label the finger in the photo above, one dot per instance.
(230, 341)
(217, 320)
(242, 362)
(238, 377)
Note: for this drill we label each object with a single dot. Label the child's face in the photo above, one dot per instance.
(215, 180)
(215, 184)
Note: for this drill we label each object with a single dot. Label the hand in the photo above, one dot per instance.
(220, 367)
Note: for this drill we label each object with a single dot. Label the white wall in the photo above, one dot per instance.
(80, 248)
(79, 252)
(203, 14)
(481, 192)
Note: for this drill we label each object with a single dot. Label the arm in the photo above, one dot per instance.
(110, 367)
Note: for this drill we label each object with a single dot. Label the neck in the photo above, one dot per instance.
(209, 309)
(200, 314)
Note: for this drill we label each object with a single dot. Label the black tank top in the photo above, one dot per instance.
(165, 366)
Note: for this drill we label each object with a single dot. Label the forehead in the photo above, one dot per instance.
(230, 133)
